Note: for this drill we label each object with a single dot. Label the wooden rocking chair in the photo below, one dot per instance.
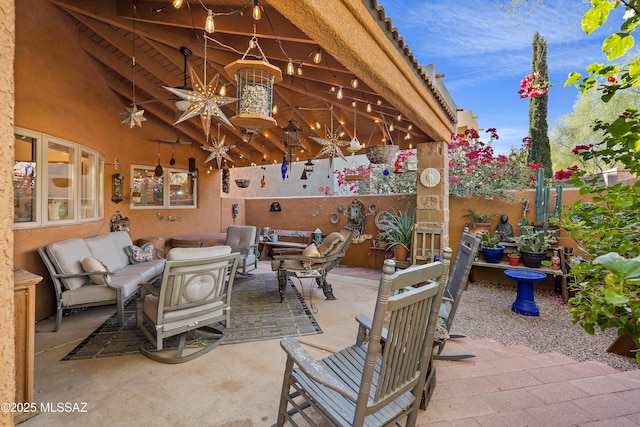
(359, 385)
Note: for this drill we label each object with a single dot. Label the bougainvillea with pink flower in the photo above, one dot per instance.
(474, 168)
(533, 86)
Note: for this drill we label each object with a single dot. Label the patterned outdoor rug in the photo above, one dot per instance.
(257, 315)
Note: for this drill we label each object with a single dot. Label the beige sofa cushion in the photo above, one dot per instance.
(329, 243)
(91, 264)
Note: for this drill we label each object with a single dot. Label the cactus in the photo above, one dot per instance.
(543, 211)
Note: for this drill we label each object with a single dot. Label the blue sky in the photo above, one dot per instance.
(484, 49)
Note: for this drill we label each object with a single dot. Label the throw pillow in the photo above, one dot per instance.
(90, 265)
(139, 255)
(330, 242)
(311, 251)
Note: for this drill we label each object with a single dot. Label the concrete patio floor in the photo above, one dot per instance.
(239, 384)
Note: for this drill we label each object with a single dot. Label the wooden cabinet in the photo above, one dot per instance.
(24, 292)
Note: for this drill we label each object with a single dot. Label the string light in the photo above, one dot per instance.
(354, 83)
(290, 68)
(274, 110)
(399, 118)
(178, 3)
(223, 90)
(209, 26)
(299, 69)
(257, 10)
(317, 58)
(339, 94)
(369, 108)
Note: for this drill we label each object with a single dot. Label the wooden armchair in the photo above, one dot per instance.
(195, 294)
(329, 254)
(453, 292)
(359, 385)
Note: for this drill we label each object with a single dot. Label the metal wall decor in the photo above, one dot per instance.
(356, 216)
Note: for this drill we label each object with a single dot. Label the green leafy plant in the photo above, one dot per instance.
(400, 227)
(490, 241)
(536, 239)
(606, 289)
(613, 300)
(477, 217)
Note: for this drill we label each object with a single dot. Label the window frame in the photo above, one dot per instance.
(166, 189)
(42, 190)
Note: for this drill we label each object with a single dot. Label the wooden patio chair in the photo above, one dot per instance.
(453, 292)
(329, 254)
(195, 295)
(360, 385)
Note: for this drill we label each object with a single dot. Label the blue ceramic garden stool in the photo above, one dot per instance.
(525, 303)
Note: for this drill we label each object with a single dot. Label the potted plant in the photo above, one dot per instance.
(479, 222)
(534, 242)
(514, 257)
(492, 250)
(398, 232)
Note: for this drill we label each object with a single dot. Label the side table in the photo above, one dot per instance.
(525, 301)
(24, 291)
(313, 274)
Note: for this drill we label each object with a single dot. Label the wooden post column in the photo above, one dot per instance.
(433, 203)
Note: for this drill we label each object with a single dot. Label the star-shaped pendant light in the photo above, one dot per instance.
(204, 101)
(218, 150)
(132, 116)
(331, 145)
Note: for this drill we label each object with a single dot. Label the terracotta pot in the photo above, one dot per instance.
(514, 260)
(400, 252)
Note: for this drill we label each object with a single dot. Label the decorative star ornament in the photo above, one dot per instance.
(204, 102)
(218, 150)
(331, 145)
(132, 116)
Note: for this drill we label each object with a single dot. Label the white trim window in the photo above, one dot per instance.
(55, 182)
(148, 191)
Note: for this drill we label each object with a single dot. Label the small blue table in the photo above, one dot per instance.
(525, 303)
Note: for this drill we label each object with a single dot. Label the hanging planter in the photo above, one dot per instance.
(382, 154)
(243, 183)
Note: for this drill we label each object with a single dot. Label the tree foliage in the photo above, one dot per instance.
(540, 152)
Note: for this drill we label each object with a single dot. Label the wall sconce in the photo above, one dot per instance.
(275, 207)
(116, 187)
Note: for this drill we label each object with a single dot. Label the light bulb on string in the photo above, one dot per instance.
(178, 3)
(369, 108)
(223, 90)
(299, 69)
(339, 94)
(354, 83)
(209, 26)
(290, 68)
(257, 10)
(274, 110)
(317, 57)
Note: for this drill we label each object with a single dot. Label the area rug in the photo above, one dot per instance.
(256, 315)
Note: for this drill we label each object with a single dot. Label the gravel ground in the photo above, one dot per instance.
(485, 312)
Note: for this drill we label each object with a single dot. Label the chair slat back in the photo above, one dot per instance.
(192, 285)
(462, 264)
(412, 315)
(426, 242)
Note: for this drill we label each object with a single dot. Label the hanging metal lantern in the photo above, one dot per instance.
(254, 90)
(308, 167)
(291, 138)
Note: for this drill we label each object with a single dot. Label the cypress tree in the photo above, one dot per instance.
(540, 151)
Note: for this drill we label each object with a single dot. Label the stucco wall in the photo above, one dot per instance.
(7, 347)
(60, 92)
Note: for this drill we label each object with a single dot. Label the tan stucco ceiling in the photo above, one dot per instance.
(354, 36)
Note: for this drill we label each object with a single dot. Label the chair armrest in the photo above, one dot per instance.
(311, 259)
(313, 369)
(286, 251)
(86, 273)
(365, 326)
(159, 252)
(149, 288)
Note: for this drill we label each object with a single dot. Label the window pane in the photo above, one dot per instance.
(24, 179)
(147, 188)
(182, 189)
(87, 185)
(60, 201)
